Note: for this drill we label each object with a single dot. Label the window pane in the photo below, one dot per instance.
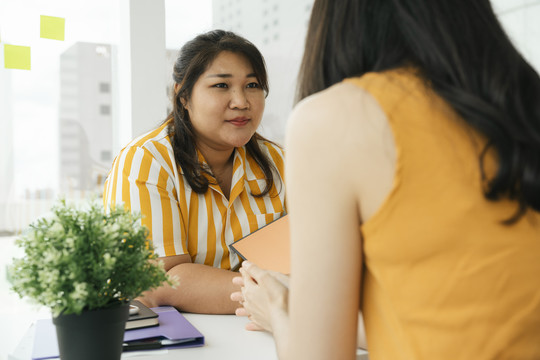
(53, 138)
(56, 117)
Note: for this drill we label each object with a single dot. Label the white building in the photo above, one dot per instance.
(85, 116)
(278, 29)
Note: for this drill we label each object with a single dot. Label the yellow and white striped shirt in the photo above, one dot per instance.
(145, 178)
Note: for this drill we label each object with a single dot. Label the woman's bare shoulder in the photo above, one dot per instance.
(346, 123)
(340, 113)
(329, 101)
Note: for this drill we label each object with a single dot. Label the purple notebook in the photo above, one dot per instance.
(172, 326)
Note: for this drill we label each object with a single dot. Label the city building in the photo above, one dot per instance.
(85, 116)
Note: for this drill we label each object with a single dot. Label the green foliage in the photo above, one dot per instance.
(85, 259)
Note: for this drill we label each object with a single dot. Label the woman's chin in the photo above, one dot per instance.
(239, 141)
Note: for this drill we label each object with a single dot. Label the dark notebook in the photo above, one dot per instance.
(143, 318)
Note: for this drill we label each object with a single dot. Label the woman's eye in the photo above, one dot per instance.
(221, 85)
(253, 85)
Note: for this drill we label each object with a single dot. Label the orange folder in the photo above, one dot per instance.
(268, 247)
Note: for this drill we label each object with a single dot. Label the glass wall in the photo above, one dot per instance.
(52, 108)
(62, 92)
(59, 114)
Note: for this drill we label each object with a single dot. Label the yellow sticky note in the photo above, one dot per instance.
(16, 57)
(52, 27)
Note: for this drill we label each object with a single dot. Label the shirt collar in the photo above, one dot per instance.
(239, 172)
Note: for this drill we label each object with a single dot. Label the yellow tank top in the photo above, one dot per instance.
(444, 279)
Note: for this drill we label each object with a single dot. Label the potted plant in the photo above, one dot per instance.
(86, 265)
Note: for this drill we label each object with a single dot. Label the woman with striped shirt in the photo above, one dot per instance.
(204, 178)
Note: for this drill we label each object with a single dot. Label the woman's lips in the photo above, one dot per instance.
(239, 121)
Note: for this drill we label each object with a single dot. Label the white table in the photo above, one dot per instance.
(224, 335)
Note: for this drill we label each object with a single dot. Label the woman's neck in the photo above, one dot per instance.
(218, 160)
(221, 164)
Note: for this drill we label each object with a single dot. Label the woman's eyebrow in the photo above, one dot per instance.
(228, 75)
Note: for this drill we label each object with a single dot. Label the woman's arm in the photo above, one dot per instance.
(319, 320)
(326, 249)
(200, 289)
(340, 168)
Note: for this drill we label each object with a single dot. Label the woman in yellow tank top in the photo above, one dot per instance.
(419, 133)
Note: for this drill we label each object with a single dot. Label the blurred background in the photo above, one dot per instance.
(63, 120)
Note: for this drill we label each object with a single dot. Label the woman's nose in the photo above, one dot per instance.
(238, 100)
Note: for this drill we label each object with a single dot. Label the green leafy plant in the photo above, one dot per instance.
(85, 259)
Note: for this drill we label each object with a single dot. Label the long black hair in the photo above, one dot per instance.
(193, 60)
(462, 53)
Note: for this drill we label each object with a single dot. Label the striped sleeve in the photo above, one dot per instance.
(144, 184)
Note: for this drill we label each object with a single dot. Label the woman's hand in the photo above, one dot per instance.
(264, 296)
(241, 311)
(239, 296)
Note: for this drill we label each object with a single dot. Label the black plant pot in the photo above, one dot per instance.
(96, 334)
